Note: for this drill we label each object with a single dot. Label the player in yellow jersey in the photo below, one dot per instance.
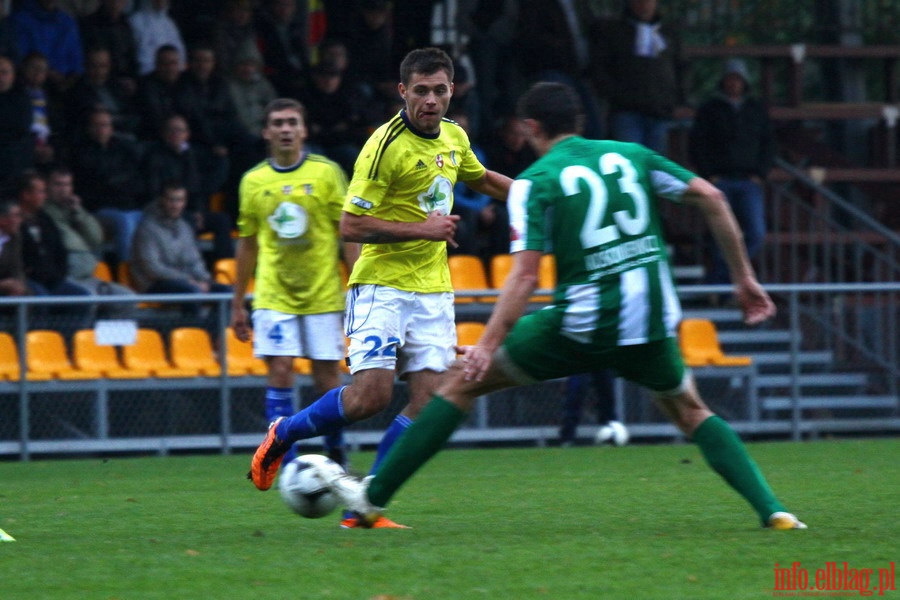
(290, 209)
(399, 315)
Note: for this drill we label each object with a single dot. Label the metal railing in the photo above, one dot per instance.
(224, 413)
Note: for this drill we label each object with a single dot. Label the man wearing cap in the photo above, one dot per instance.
(732, 145)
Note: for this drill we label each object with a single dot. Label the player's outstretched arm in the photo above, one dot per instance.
(755, 303)
(372, 230)
(491, 184)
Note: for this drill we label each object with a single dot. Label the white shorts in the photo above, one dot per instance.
(318, 337)
(392, 329)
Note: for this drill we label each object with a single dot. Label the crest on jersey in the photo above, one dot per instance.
(439, 161)
(307, 189)
(289, 220)
(438, 197)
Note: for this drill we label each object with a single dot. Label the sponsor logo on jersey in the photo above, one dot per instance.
(360, 202)
(420, 165)
(453, 158)
(439, 161)
(289, 220)
(287, 189)
(438, 196)
(307, 189)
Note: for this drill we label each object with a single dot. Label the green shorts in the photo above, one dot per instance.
(538, 350)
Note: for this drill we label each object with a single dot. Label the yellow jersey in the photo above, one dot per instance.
(294, 213)
(402, 175)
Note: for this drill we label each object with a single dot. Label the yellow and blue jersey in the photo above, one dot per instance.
(402, 175)
(294, 213)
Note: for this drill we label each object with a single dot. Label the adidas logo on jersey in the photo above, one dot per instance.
(420, 165)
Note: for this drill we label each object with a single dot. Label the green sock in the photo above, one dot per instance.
(422, 440)
(728, 457)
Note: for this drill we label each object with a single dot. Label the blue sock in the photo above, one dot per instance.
(394, 430)
(324, 416)
(279, 402)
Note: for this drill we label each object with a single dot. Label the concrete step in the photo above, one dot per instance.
(813, 380)
(806, 357)
(831, 402)
(756, 336)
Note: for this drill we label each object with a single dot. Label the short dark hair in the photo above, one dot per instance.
(59, 169)
(283, 104)
(170, 185)
(425, 61)
(6, 205)
(25, 181)
(555, 106)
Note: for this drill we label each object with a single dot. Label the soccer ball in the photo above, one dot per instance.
(303, 490)
(612, 433)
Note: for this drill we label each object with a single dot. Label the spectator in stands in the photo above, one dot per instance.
(16, 142)
(250, 91)
(484, 222)
(82, 235)
(508, 152)
(174, 158)
(157, 92)
(44, 255)
(107, 168)
(153, 28)
(107, 27)
(165, 255)
(282, 39)
(42, 27)
(492, 47)
(337, 124)
(234, 34)
(732, 145)
(636, 66)
(551, 46)
(369, 49)
(12, 270)
(46, 120)
(202, 97)
(9, 46)
(97, 89)
(79, 8)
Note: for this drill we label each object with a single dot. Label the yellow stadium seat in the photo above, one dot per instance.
(501, 265)
(467, 273)
(9, 358)
(148, 353)
(468, 333)
(302, 366)
(225, 271)
(90, 356)
(102, 271)
(191, 348)
(240, 356)
(46, 355)
(546, 277)
(700, 347)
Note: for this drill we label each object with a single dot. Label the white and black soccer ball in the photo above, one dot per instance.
(302, 488)
(612, 433)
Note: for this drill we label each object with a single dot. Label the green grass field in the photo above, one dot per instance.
(634, 522)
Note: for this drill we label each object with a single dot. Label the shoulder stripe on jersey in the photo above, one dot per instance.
(393, 131)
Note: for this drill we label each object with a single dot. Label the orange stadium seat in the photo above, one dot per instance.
(225, 271)
(9, 358)
(240, 356)
(191, 348)
(46, 355)
(468, 333)
(501, 265)
(467, 273)
(700, 347)
(148, 353)
(90, 356)
(102, 271)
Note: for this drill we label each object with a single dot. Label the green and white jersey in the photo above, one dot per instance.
(593, 204)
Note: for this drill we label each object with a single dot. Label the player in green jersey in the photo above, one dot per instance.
(399, 315)
(614, 307)
(290, 209)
